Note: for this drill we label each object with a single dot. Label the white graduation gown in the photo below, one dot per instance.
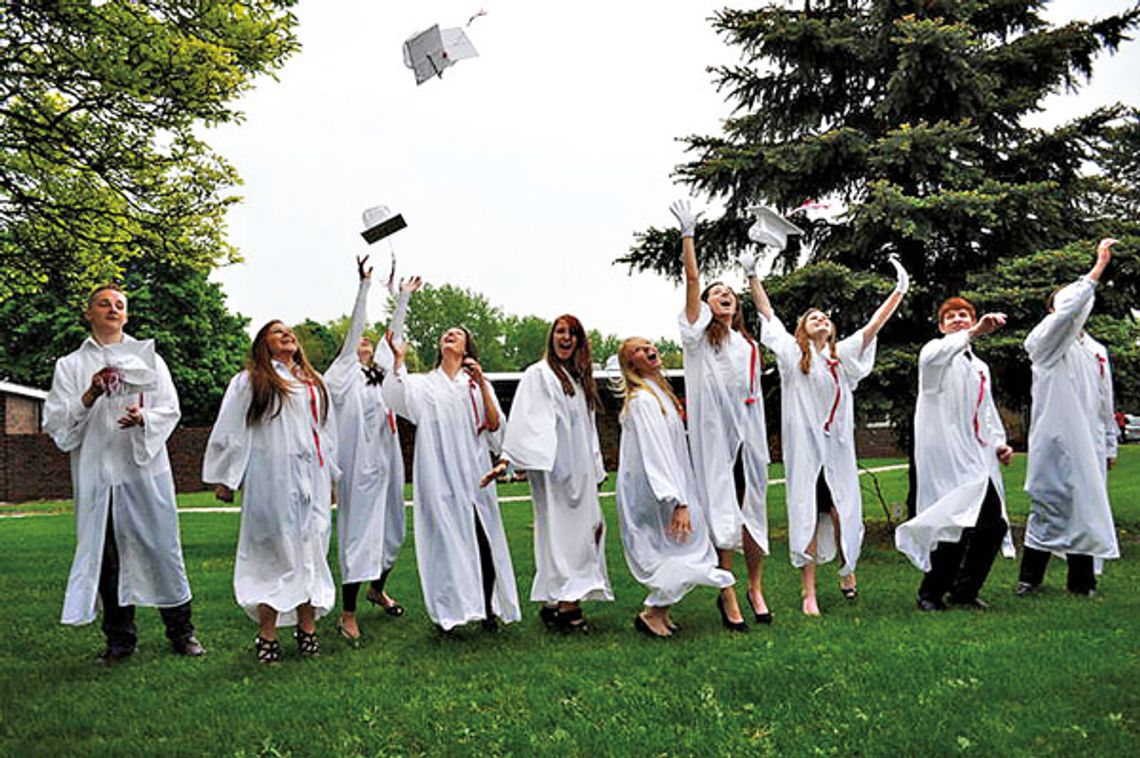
(453, 451)
(285, 467)
(725, 408)
(126, 468)
(552, 436)
(1072, 433)
(654, 476)
(954, 459)
(370, 523)
(819, 435)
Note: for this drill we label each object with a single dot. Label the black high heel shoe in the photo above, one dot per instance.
(734, 626)
(761, 618)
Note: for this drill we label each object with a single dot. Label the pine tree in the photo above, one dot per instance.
(911, 115)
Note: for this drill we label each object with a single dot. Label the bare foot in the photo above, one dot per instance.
(847, 582)
(811, 608)
(656, 622)
(347, 626)
(759, 606)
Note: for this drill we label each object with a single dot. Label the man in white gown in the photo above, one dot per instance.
(1072, 442)
(959, 442)
(112, 406)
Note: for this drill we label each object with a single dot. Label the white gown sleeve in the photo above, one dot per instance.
(776, 338)
(857, 361)
(657, 453)
(401, 392)
(228, 449)
(396, 325)
(531, 440)
(1056, 332)
(65, 417)
(346, 361)
(161, 413)
(936, 356)
(1111, 430)
(691, 334)
(495, 438)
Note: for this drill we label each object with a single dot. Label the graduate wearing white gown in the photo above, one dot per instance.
(284, 461)
(961, 520)
(128, 549)
(663, 526)
(461, 548)
(371, 519)
(551, 435)
(1072, 441)
(727, 432)
(818, 377)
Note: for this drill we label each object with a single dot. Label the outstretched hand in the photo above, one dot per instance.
(392, 277)
(408, 286)
(988, 324)
(493, 474)
(685, 217)
(365, 273)
(1103, 255)
(399, 349)
(747, 262)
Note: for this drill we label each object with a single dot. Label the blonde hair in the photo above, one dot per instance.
(633, 382)
(804, 341)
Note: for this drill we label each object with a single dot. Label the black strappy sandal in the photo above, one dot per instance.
(549, 616)
(268, 651)
(308, 646)
(572, 621)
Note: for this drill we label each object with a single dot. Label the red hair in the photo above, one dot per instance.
(956, 304)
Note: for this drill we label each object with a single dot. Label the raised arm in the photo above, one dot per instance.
(890, 305)
(1047, 342)
(407, 287)
(688, 222)
(756, 286)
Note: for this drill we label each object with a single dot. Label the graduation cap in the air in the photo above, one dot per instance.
(379, 222)
(771, 229)
(429, 52)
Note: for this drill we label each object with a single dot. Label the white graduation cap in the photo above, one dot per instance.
(771, 229)
(429, 52)
(130, 367)
(379, 222)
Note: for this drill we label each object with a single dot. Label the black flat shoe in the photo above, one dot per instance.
(1023, 589)
(189, 647)
(643, 626)
(110, 656)
(733, 626)
(930, 604)
(572, 621)
(849, 593)
(761, 618)
(490, 625)
(973, 604)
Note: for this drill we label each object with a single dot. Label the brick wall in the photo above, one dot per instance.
(21, 415)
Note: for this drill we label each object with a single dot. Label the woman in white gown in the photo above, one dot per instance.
(818, 377)
(275, 438)
(663, 525)
(552, 436)
(461, 548)
(370, 522)
(727, 431)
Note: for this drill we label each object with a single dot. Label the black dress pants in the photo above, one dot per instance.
(960, 568)
(119, 620)
(1082, 577)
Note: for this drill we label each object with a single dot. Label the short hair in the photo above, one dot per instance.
(103, 288)
(956, 304)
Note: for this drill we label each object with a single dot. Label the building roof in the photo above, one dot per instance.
(8, 388)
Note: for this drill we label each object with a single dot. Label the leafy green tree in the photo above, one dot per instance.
(524, 340)
(434, 310)
(176, 305)
(319, 342)
(101, 106)
(909, 116)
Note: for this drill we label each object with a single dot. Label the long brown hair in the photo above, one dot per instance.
(633, 381)
(269, 387)
(580, 367)
(716, 330)
(804, 341)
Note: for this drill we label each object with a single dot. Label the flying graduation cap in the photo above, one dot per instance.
(771, 229)
(379, 222)
(429, 52)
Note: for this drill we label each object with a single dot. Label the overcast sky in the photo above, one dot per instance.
(522, 173)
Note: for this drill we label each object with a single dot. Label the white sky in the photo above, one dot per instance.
(522, 173)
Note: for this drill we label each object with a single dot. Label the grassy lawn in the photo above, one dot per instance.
(1048, 674)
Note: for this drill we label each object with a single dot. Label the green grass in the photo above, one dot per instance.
(1044, 675)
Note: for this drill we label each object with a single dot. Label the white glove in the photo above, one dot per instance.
(685, 217)
(902, 277)
(747, 262)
